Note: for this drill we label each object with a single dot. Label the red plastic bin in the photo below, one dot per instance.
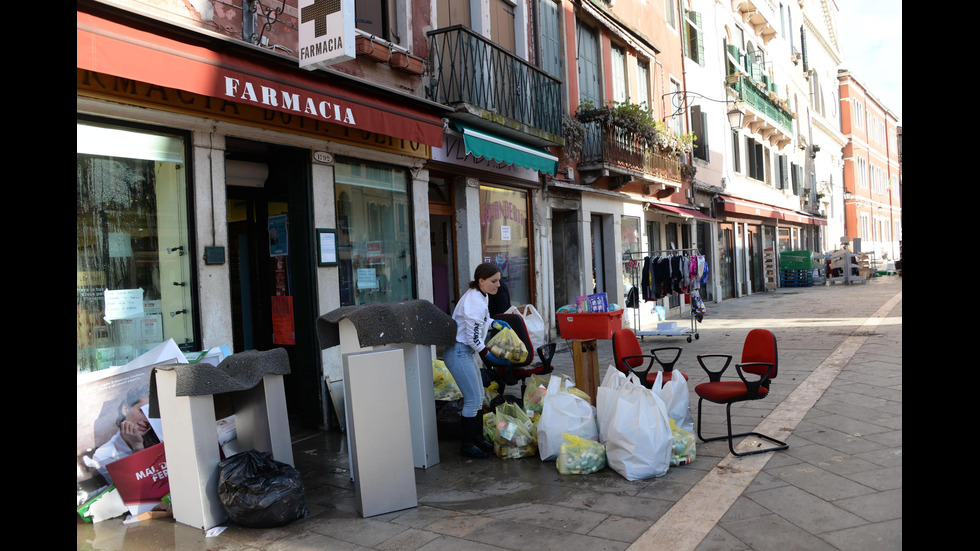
(589, 325)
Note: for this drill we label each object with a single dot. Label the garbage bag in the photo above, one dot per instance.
(506, 345)
(580, 455)
(513, 432)
(563, 413)
(260, 492)
(684, 450)
(445, 387)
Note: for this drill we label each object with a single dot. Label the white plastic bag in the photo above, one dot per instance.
(533, 322)
(635, 429)
(675, 395)
(563, 412)
(606, 397)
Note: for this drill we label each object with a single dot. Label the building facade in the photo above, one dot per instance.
(872, 172)
(212, 169)
(764, 176)
(228, 194)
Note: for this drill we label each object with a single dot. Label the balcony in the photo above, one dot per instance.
(492, 88)
(610, 148)
(760, 15)
(766, 116)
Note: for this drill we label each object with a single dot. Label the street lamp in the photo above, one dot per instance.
(735, 118)
(679, 101)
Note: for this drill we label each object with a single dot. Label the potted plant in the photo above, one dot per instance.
(624, 116)
(407, 62)
(573, 132)
(372, 49)
(688, 172)
(733, 78)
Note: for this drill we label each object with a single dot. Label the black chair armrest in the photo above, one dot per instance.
(714, 376)
(753, 386)
(641, 374)
(659, 353)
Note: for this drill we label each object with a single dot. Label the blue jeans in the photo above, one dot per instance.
(461, 362)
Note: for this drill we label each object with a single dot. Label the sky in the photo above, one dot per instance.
(870, 33)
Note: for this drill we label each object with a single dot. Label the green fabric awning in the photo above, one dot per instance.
(482, 144)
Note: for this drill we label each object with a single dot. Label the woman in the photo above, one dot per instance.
(473, 320)
(134, 434)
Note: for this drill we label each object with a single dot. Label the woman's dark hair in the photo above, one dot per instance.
(133, 396)
(485, 270)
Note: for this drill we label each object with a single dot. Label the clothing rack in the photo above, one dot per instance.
(632, 266)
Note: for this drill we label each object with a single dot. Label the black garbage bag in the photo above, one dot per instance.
(260, 492)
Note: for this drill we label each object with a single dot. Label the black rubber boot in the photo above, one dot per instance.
(471, 434)
(479, 438)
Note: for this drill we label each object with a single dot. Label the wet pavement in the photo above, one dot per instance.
(837, 401)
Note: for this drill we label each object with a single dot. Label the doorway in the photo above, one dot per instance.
(271, 269)
(598, 255)
(757, 282)
(565, 256)
(442, 240)
(726, 258)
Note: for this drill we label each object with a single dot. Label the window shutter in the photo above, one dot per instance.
(803, 48)
(783, 173)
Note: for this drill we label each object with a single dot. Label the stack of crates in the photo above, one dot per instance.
(796, 268)
(796, 278)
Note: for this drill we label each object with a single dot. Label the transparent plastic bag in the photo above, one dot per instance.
(514, 432)
(684, 450)
(506, 345)
(444, 385)
(580, 455)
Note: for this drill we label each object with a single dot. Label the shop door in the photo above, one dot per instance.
(726, 256)
(756, 280)
(273, 299)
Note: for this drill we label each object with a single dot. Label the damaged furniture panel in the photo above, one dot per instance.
(182, 395)
(386, 351)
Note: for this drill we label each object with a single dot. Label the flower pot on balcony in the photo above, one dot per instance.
(373, 50)
(733, 78)
(407, 63)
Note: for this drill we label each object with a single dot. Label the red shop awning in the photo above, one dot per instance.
(740, 206)
(114, 49)
(684, 212)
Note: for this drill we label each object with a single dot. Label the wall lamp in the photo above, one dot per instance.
(679, 101)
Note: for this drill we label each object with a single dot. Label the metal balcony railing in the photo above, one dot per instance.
(619, 149)
(749, 93)
(467, 68)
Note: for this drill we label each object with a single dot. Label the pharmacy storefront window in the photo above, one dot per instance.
(505, 228)
(374, 234)
(133, 251)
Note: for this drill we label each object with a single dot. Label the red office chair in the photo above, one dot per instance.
(759, 358)
(518, 373)
(629, 357)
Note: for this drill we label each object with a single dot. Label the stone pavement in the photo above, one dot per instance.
(837, 401)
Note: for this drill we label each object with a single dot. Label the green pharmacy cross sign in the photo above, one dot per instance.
(317, 12)
(326, 32)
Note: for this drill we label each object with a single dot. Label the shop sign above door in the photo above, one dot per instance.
(326, 32)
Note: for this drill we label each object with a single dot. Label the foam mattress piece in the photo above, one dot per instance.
(240, 371)
(409, 321)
